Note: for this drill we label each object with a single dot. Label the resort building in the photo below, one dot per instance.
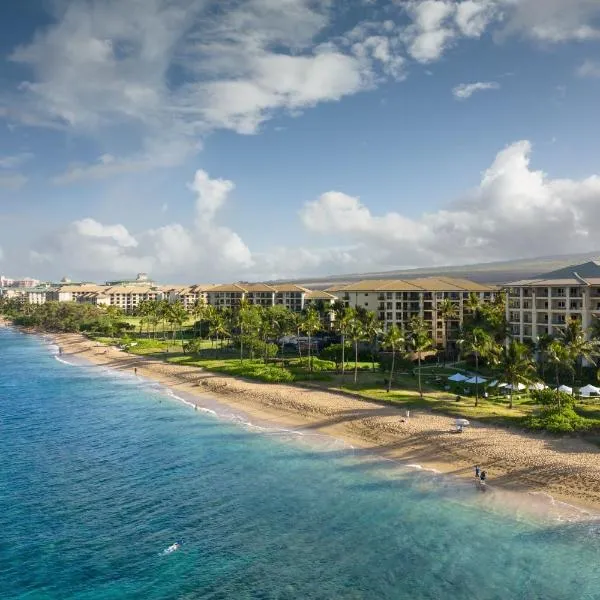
(542, 306)
(128, 298)
(398, 301)
(189, 295)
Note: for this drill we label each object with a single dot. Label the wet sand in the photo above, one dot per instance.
(566, 468)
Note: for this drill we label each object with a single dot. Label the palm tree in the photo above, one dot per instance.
(310, 324)
(177, 316)
(372, 329)
(393, 339)
(199, 314)
(480, 344)
(560, 357)
(582, 349)
(342, 322)
(218, 327)
(418, 340)
(448, 311)
(517, 366)
(355, 332)
(243, 309)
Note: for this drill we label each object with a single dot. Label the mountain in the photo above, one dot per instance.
(493, 272)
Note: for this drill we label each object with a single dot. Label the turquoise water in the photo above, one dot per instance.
(100, 472)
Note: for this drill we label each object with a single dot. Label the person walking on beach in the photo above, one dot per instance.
(135, 370)
(477, 471)
(482, 477)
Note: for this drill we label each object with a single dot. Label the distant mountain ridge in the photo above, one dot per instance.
(500, 272)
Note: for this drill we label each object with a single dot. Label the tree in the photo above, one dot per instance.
(281, 321)
(559, 357)
(393, 339)
(479, 343)
(310, 324)
(199, 314)
(355, 332)
(517, 366)
(581, 349)
(372, 330)
(342, 323)
(418, 340)
(218, 326)
(177, 316)
(448, 311)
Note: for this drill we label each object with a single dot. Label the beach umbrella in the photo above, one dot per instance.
(457, 377)
(462, 422)
(537, 387)
(476, 379)
(493, 383)
(589, 390)
(502, 385)
(566, 389)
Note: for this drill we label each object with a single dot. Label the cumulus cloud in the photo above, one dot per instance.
(464, 91)
(515, 211)
(88, 247)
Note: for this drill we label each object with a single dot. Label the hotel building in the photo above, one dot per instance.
(542, 306)
(398, 301)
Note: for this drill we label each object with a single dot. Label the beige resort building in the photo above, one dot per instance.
(397, 301)
(543, 305)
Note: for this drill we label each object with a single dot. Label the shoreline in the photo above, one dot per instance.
(566, 469)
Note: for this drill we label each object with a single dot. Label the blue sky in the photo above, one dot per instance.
(214, 141)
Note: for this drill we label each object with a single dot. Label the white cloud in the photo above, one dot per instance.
(90, 247)
(464, 91)
(552, 21)
(183, 67)
(589, 69)
(514, 212)
(12, 181)
(15, 161)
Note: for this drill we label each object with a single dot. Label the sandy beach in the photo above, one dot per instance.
(566, 468)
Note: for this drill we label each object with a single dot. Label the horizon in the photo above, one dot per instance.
(293, 139)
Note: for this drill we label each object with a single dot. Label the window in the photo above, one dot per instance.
(389, 316)
(388, 295)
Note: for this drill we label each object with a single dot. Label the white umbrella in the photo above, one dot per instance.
(502, 385)
(588, 390)
(457, 377)
(566, 389)
(476, 379)
(462, 422)
(538, 387)
(493, 383)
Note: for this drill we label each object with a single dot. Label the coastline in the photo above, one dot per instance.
(567, 469)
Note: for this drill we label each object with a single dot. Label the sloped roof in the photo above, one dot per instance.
(588, 272)
(422, 284)
(319, 295)
(290, 287)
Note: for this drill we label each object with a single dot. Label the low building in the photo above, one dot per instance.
(543, 305)
(128, 298)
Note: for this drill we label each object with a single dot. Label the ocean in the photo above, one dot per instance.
(101, 472)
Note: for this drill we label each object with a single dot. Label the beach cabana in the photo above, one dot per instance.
(476, 379)
(457, 377)
(537, 387)
(589, 390)
(516, 388)
(566, 389)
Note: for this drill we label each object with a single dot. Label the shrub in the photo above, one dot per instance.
(552, 398)
(551, 419)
